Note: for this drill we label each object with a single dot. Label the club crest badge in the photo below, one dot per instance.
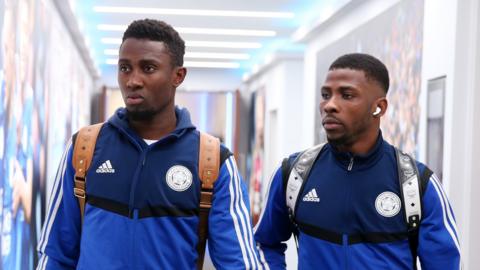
(388, 204)
(179, 178)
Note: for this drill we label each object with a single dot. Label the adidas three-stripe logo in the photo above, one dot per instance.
(106, 167)
(311, 196)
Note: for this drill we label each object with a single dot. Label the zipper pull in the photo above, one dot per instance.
(350, 165)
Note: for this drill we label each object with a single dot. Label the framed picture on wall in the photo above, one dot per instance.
(435, 124)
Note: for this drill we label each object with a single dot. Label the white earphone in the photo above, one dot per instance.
(377, 111)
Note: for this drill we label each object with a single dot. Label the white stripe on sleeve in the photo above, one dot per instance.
(246, 215)
(446, 211)
(262, 258)
(234, 216)
(55, 200)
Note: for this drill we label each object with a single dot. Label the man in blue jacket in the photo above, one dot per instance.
(349, 213)
(143, 187)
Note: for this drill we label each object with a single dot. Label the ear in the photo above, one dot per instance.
(179, 74)
(380, 107)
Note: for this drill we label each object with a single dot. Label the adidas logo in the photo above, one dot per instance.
(106, 167)
(311, 196)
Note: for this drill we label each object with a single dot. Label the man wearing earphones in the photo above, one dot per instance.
(357, 202)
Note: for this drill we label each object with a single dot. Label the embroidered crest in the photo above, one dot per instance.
(388, 204)
(179, 178)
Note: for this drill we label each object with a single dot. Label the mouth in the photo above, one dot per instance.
(331, 123)
(134, 99)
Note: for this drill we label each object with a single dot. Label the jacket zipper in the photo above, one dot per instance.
(345, 236)
(350, 165)
(135, 179)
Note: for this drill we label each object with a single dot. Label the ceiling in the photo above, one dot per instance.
(219, 21)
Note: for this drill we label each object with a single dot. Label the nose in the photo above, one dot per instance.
(329, 105)
(134, 81)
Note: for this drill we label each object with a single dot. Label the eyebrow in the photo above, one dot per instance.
(348, 87)
(142, 61)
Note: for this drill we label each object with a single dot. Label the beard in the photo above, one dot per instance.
(349, 136)
(340, 142)
(141, 115)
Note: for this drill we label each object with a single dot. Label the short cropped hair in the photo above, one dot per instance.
(373, 68)
(156, 30)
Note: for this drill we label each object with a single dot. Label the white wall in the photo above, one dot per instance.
(284, 120)
(451, 49)
(462, 129)
(284, 102)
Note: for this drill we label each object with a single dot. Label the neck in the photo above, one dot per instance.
(362, 144)
(162, 124)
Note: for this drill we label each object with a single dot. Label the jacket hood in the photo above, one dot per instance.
(120, 120)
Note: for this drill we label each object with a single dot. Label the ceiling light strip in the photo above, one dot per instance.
(209, 44)
(206, 55)
(202, 31)
(211, 64)
(197, 64)
(224, 44)
(115, 41)
(194, 12)
(212, 55)
(225, 31)
(113, 52)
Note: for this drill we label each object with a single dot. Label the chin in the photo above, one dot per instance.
(337, 140)
(140, 115)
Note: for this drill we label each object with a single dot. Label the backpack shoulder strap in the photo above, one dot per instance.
(208, 170)
(82, 157)
(412, 188)
(300, 170)
(294, 176)
(408, 177)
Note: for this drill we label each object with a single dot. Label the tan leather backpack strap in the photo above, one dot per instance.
(82, 157)
(208, 169)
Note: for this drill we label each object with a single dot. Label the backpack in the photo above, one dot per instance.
(210, 158)
(296, 173)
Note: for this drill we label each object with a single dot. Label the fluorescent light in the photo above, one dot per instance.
(202, 31)
(194, 12)
(211, 44)
(211, 64)
(199, 64)
(236, 56)
(208, 55)
(116, 41)
(226, 31)
(223, 44)
(111, 61)
(111, 27)
(110, 51)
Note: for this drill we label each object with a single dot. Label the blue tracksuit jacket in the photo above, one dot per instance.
(140, 214)
(341, 220)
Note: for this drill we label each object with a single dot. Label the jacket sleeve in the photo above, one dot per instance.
(231, 244)
(274, 226)
(60, 240)
(438, 245)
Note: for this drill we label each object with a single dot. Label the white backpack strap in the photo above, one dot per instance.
(410, 189)
(300, 170)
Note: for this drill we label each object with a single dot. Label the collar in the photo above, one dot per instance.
(120, 121)
(350, 161)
